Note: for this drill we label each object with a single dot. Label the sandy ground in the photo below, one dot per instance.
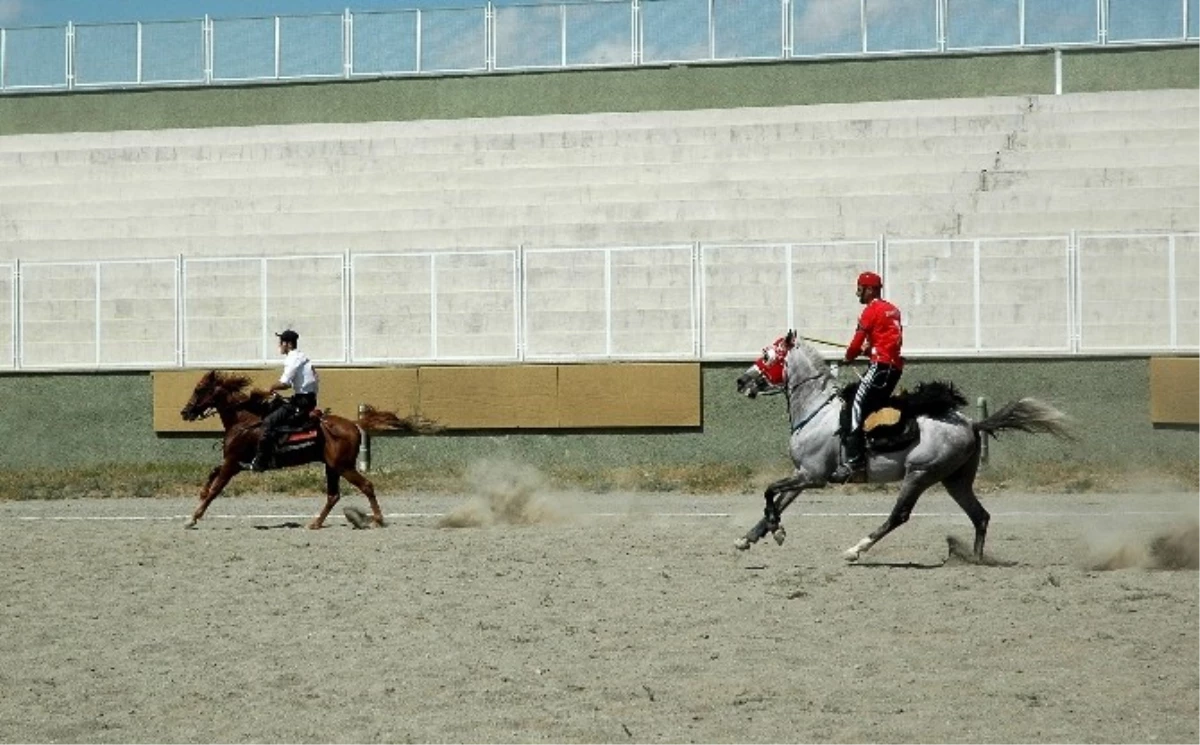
(603, 618)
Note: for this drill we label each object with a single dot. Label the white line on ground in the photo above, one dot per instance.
(699, 515)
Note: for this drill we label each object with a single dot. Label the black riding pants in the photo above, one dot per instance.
(874, 390)
(292, 410)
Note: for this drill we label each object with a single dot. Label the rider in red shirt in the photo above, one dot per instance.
(881, 334)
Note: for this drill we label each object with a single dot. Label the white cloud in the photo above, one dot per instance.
(10, 10)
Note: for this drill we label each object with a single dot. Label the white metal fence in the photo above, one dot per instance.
(997, 297)
(505, 36)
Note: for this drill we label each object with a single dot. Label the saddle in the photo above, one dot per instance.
(894, 426)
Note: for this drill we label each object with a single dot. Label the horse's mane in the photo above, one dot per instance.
(235, 386)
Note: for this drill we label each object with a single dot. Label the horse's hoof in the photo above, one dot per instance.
(189, 525)
(780, 536)
(852, 554)
(315, 525)
(357, 518)
(741, 544)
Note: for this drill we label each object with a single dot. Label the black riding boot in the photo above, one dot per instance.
(262, 458)
(856, 462)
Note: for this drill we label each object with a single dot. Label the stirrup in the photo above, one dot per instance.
(259, 464)
(847, 473)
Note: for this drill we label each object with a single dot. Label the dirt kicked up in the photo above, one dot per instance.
(517, 615)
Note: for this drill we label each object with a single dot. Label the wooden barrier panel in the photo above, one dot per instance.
(629, 395)
(515, 397)
(496, 397)
(1175, 390)
(342, 390)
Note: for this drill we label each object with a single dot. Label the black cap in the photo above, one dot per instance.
(288, 336)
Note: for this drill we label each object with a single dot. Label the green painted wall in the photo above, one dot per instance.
(589, 91)
(525, 94)
(102, 419)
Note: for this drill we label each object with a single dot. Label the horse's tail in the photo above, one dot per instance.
(1027, 415)
(371, 418)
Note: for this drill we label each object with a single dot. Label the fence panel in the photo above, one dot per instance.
(476, 305)
(933, 283)
(385, 43)
(310, 46)
(747, 29)
(173, 52)
(223, 311)
(1143, 20)
(983, 24)
(653, 303)
(307, 294)
(901, 25)
(453, 40)
(1024, 302)
(391, 305)
(1125, 292)
(138, 313)
(243, 49)
(823, 281)
(1050, 22)
(822, 27)
(529, 36)
(8, 315)
(106, 54)
(745, 298)
(58, 314)
(675, 31)
(566, 303)
(34, 57)
(599, 33)
(1187, 292)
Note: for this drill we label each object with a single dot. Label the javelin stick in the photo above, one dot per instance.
(821, 341)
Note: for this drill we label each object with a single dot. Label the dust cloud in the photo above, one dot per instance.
(505, 493)
(1174, 547)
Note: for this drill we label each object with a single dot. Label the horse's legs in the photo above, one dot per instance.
(778, 495)
(914, 485)
(217, 480)
(332, 495)
(368, 489)
(961, 487)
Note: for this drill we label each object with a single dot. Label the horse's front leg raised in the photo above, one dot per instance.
(778, 496)
(217, 480)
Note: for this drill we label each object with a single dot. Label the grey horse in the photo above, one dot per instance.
(947, 449)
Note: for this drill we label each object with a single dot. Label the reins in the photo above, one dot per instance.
(796, 427)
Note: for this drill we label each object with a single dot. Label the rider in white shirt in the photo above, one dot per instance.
(299, 376)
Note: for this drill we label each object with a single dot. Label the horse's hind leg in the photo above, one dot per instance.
(365, 486)
(332, 495)
(914, 485)
(961, 487)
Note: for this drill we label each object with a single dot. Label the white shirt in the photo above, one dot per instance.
(298, 372)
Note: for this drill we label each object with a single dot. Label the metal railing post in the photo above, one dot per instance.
(70, 55)
(139, 53)
(206, 34)
(3, 56)
(277, 47)
(347, 44)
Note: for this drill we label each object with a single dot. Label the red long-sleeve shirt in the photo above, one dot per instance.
(880, 327)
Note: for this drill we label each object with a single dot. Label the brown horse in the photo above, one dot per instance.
(333, 440)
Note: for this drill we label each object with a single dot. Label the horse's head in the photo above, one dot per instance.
(214, 392)
(768, 374)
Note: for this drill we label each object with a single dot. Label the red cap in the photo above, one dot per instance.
(870, 279)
